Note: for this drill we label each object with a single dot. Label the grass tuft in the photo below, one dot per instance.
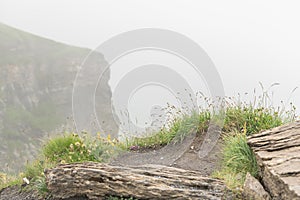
(238, 156)
(237, 160)
(242, 120)
(9, 180)
(174, 131)
(256, 119)
(68, 148)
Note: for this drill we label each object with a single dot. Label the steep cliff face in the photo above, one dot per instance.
(36, 83)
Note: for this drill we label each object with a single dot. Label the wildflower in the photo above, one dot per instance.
(77, 144)
(98, 135)
(21, 174)
(108, 137)
(3, 177)
(26, 180)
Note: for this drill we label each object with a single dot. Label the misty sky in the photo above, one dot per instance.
(248, 41)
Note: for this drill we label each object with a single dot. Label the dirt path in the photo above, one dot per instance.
(182, 155)
(191, 161)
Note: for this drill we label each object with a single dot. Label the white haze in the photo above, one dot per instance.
(249, 41)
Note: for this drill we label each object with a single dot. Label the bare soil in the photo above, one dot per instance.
(181, 155)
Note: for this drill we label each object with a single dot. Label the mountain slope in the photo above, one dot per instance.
(36, 83)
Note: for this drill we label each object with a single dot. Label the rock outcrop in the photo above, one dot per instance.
(95, 181)
(278, 155)
(254, 190)
(36, 84)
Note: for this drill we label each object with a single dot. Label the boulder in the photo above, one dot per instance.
(97, 181)
(278, 156)
(254, 190)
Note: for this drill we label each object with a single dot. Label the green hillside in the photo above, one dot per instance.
(36, 83)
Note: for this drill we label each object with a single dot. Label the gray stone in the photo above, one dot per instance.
(96, 180)
(278, 155)
(254, 190)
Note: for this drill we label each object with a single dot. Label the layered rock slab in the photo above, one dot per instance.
(278, 155)
(96, 180)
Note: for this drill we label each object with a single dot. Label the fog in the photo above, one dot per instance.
(249, 42)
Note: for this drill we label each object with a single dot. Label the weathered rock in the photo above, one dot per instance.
(278, 155)
(254, 190)
(18, 193)
(96, 181)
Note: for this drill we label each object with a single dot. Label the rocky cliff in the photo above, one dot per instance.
(36, 83)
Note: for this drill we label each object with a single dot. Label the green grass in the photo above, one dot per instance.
(256, 119)
(177, 129)
(65, 148)
(240, 121)
(237, 160)
(9, 180)
(237, 157)
(237, 154)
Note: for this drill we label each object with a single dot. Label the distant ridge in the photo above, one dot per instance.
(36, 83)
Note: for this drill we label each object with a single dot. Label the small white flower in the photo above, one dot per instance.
(26, 180)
